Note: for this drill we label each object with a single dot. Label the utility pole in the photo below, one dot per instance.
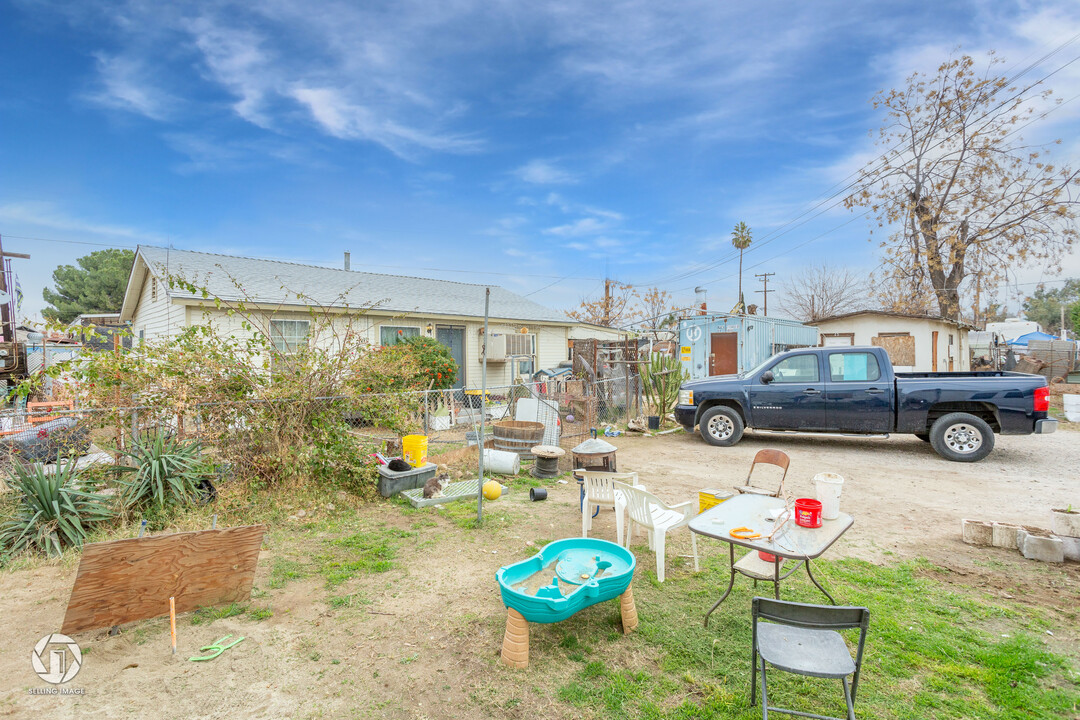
(7, 319)
(607, 302)
(765, 279)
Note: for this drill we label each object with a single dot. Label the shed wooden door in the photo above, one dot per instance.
(724, 353)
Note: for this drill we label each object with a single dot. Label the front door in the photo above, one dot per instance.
(724, 353)
(454, 338)
(857, 399)
(794, 400)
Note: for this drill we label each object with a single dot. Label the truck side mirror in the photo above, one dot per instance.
(767, 377)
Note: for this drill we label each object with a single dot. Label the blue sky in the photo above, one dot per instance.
(540, 146)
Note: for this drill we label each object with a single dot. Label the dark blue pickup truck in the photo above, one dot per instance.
(854, 391)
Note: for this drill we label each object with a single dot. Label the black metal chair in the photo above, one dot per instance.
(803, 639)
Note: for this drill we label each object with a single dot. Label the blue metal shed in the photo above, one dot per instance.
(721, 343)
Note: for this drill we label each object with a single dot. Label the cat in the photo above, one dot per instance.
(433, 488)
(399, 465)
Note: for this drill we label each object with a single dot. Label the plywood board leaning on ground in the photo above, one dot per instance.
(901, 348)
(127, 580)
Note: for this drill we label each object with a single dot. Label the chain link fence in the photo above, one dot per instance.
(569, 408)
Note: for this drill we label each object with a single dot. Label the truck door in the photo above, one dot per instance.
(793, 400)
(858, 398)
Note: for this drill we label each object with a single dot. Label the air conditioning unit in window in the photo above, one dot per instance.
(496, 347)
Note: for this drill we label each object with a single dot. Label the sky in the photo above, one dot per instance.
(541, 146)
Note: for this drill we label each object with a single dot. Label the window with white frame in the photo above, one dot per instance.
(289, 336)
(393, 334)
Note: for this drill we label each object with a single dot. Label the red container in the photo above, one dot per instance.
(808, 512)
(767, 557)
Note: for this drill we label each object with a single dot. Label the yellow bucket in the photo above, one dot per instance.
(414, 449)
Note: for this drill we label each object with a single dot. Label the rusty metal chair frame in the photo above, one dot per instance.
(766, 457)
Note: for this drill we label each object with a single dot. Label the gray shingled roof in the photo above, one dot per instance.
(276, 282)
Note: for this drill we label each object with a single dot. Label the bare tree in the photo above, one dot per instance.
(820, 291)
(616, 308)
(960, 187)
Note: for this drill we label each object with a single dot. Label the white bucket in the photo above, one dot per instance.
(1072, 408)
(829, 485)
(501, 462)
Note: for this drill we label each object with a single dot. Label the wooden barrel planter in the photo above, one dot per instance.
(518, 436)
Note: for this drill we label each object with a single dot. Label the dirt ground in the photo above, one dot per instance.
(425, 641)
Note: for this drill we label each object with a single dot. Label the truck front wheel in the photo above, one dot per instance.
(961, 437)
(721, 426)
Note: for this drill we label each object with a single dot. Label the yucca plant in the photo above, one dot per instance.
(165, 471)
(52, 513)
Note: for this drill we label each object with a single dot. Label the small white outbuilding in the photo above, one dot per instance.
(915, 343)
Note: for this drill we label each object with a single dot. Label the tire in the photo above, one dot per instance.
(721, 426)
(925, 437)
(961, 437)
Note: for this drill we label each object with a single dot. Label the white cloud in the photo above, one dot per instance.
(577, 228)
(544, 172)
(236, 60)
(49, 215)
(124, 85)
(343, 119)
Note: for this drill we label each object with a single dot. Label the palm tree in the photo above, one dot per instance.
(740, 238)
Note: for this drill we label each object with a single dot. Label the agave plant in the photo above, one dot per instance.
(166, 471)
(51, 513)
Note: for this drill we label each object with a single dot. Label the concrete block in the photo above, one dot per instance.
(1071, 547)
(977, 532)
(1066, 523)
(1004, 535)
(1044, 548)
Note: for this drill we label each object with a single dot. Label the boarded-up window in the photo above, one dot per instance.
(899, 346)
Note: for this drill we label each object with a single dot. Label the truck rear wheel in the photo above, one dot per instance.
(721, 426)
(961, 437)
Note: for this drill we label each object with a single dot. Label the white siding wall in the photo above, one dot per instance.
(551, 340)
(157, 319)
(866, 327)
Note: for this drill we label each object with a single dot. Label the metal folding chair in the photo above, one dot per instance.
(804, 639)
(766, 457)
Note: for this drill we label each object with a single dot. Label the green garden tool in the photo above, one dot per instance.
(216, 647)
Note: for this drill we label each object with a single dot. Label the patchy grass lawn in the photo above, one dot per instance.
(932, 652)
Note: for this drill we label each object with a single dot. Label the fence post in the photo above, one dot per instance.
(134, 425)
(427, 409)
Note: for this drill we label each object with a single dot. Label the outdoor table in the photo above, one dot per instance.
(793, 542)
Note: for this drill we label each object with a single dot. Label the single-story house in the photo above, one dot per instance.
(280, 296)
(915, 343)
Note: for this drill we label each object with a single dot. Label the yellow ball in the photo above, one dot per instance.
(492, 490)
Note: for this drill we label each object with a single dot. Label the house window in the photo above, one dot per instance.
(142, 336)
(393, 334)
(288, 336)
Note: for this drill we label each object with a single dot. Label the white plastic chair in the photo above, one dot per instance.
(600, 491)
(657, 518)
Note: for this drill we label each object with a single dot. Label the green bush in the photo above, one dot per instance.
(166, 469)
(437, 365)
(51, 513)
(340, 460)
